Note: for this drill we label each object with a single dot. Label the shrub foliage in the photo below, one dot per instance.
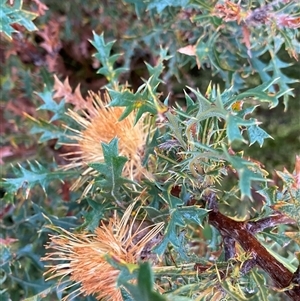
(130, 129)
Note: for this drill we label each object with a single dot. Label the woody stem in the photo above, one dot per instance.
(243, 233)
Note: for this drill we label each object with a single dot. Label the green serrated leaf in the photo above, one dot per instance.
(247, 172)
(28, 251)
(291, 209)
(124, 99)
(134, 291)
(287, 178)
(269, 194)
(137, 102)
(51, 105)
(10, 14)
(103, 50)
(261, 93)
(3, 276)
(281, 239)
(283, 259)
(145, 99)
(179, 217)
(67, 223)
(125, 295)
(143, 291)
(6, 256)
(49, 131)
(193, 214)
(156, 71)
(233, 127)
(155, 215)
(257, 134)
(107, 61)
(160, 5)
(41, 296)
(202, 51)
(93, 217)
(36, 285)
(260, 281)
(172, 200)
(234, 291)
(110, 178)
(36, 174)
(145, 280)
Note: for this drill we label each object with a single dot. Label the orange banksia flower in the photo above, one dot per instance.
(100, 124)
(80, 258)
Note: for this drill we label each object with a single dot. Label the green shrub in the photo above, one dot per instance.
(132, 175)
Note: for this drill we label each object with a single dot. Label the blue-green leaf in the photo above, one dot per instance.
(257, 134)
(144, 288)
(107, 61)
(103, 50)
(49, 131)
(15, 13)
(160, 5)
(35, 174)
(51, 105)
(247, 172)
(96, 213)
(110, 178)
(40, 296)
(179, 217)
(138, 102)
(233, 127)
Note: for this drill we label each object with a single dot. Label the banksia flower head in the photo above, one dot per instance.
(81, 257)
(100, 124)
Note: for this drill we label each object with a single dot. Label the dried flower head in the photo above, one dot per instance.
(81, 257)
(100, 124)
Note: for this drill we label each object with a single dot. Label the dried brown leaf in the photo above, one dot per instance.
(41, 7)
(50, 35)
(246, 39)
(188, 50)
(230, 11)
(297, 173)
(5, 151)
(7, 241)
(288, 21)
(64, 90)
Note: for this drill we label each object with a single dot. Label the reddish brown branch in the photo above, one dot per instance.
(242, 233)
(277, 219)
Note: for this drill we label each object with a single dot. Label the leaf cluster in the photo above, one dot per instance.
(199, 133)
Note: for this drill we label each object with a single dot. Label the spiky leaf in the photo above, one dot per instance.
(10, 14)
(58, 109)
(180, 216)
(107, 60)
(248, 172)
(160, 5)
(35, 174)
(110, 171)
(257, 134)
(144, 288)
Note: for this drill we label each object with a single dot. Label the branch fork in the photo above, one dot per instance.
(244, 233)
